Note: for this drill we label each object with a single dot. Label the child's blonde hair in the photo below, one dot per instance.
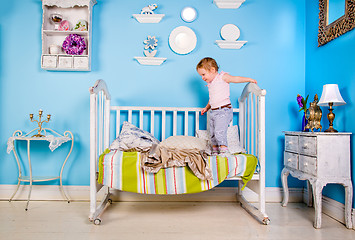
(207, 63)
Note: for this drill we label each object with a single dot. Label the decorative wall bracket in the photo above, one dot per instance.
(150, 60)
(228, 3)
(230, 44)
(148, 18)
(150, 44)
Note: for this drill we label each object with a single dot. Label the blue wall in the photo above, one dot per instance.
(332, 63)
(274, 55)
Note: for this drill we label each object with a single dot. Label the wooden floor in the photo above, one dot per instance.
(51, 220)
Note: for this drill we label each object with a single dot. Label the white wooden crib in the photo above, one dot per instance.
(251, 121)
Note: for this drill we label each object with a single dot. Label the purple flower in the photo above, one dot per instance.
(74, 44)
(302, 102)
(299, 100)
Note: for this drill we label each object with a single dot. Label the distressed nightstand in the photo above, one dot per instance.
(320, 158)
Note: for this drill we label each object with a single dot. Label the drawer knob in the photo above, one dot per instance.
(289, 160)
(305, 164)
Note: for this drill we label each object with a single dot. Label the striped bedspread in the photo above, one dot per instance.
(122, 170)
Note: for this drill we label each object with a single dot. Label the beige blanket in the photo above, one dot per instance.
(162, 157)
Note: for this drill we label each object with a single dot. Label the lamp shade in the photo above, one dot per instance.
(331, 94)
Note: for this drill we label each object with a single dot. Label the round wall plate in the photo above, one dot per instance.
(230, 32)
(182, 40)
(188, 14)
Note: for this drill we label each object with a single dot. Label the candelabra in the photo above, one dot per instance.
(40, 122)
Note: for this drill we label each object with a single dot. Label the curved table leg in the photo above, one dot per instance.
(317, 188)
(19, 173)
(284, 174)
(309, 190)
(67, 133)
(348, 202)
(30, 167)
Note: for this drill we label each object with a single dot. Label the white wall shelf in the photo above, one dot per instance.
(230, 44)
(150, 60)
(228, 3)
(72, 11)
(148, 18)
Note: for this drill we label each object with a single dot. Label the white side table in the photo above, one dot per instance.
(55, 140)
(320, 158)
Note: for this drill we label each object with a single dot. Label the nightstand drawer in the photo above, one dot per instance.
(308, 145)
(308, 164)
(291, 160)
(291, 143)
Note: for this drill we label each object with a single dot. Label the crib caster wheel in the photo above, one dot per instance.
(266, 221)
(97, 221)
(109, 201)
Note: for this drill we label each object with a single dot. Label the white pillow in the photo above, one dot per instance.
(132, 137)
(234, 145)
(185, 142)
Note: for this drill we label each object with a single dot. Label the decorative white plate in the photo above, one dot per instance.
(230, 32)
(182, 40)
(188, 14)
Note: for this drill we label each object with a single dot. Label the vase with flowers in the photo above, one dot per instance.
(303, 107)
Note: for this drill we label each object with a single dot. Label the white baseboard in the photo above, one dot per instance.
(330, 207)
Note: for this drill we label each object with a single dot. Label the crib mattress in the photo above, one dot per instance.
(122, 171)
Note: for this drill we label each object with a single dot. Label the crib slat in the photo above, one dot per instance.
(252, 122)
(197, 121)
(141, 119)
(248, 123)
(163, 123)
(130, 116)
(257, 125)
(118, 122)
(152, 122)
(174, 122)
(101, 121)
(186, 123)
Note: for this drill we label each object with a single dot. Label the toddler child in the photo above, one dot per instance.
(219, 102)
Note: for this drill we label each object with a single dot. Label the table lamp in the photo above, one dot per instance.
(331, 96)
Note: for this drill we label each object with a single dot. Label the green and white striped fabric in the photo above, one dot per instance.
(122, 170)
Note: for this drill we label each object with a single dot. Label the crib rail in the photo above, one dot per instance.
(187, 123)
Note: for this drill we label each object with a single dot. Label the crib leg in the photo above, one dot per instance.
(95, 216)
(251, 209)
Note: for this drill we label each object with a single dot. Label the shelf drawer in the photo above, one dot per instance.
(308, 145)
(81, 62)
(49, 61)
(291, 143)
(308, 164)
(65, 62)
(291, 160)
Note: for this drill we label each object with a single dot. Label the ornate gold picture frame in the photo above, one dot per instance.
(328, 32)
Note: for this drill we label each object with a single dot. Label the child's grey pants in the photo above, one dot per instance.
(219, 122)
